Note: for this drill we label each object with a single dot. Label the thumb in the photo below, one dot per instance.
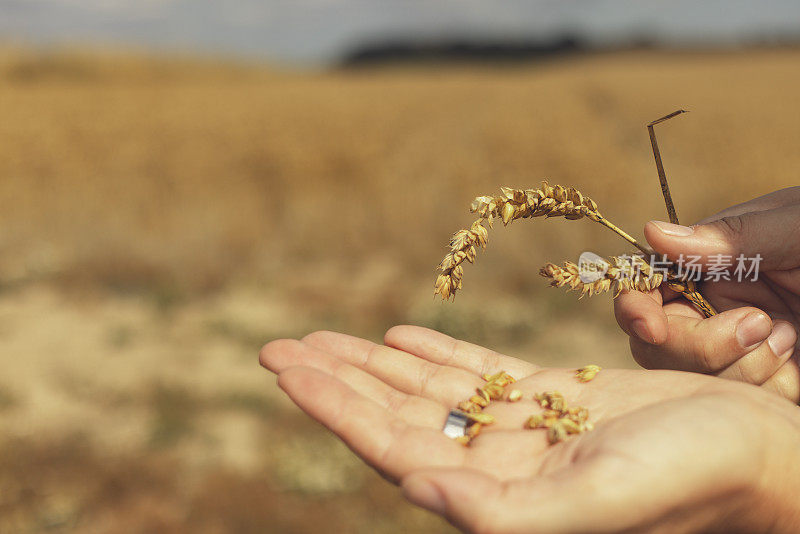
(772, 234)
(707, 345)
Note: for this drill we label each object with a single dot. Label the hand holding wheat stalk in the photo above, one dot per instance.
(631, 273)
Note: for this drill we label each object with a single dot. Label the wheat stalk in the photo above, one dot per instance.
(554, 201)
(513, 204)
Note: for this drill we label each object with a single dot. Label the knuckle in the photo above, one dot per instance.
(368, 361)
(732, 226)
(752, 374)
(426, 376)
(490, 363)
(706, 350)
(791, 192)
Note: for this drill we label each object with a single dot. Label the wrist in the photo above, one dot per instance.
(775, 504)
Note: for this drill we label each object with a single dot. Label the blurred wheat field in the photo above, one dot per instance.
(160, 219)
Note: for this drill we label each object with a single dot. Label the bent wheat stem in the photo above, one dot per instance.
(627, 237)
(553, 201)
(662, 176)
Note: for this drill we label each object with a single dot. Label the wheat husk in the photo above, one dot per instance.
(623, 273)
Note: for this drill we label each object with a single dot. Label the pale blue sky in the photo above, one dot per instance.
(321, 30)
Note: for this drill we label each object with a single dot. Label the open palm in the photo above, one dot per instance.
(653, 432)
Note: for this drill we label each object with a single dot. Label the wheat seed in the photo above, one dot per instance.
(579, 414)
(556, 433)
(473, 430)
(482, 418)
(570, 426)
(493, 390)
(515, 395)
(552, 400)
(535, 421)
(559, 420)
(586, 374)
(469, 407)
(480, 400)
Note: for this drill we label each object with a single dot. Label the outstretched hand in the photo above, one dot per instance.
(754, 338)
(669, 449)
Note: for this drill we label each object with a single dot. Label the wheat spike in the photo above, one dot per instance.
(624, 273)
(549, 201)
(512, 204)
(463, 246)
(556, 201)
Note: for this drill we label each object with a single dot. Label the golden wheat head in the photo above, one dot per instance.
(512, 204)
(622, 273)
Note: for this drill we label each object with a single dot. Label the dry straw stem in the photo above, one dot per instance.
(547, 201)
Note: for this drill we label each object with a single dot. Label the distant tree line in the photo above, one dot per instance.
(465, 50)
(485, 50)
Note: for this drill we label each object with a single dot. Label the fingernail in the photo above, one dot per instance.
(752, 330)
(782, 339)
(641, 330)
(674, 229)
(422, 493)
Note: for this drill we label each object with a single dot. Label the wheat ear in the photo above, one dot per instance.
(513, 204)
(626, 272)
(547, 201)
